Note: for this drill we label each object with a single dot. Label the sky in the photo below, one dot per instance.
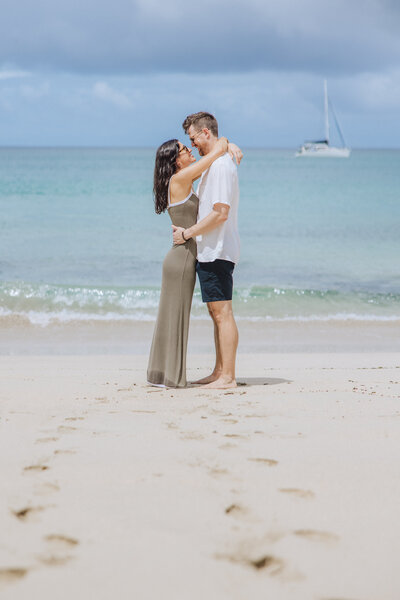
(127, 72)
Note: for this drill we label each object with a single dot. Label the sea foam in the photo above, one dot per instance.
(45, 305)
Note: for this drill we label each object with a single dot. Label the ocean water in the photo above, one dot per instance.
(80, 241)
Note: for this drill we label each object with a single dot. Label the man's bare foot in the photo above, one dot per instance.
(222, 383)
(208, 379)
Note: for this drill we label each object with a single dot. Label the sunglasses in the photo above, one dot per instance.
(195, 136)
(183, 149)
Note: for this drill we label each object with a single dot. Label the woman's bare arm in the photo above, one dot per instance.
(189, 174)
(182, 181)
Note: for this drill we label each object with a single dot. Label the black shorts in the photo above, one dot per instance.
(216, 281)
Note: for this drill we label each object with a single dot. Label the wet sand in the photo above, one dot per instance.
(134, 337)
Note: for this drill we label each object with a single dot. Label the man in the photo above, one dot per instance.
(218, 245)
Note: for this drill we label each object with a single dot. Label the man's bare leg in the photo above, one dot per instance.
(228, 337)
(218, 361)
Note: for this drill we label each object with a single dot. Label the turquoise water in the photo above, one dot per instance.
(79, 239)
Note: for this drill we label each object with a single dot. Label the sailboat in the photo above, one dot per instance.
(322, 148)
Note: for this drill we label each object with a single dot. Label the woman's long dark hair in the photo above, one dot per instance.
(164, 168)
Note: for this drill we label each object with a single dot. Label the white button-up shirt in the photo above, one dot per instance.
(219, 184)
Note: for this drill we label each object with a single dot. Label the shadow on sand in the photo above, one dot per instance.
(261, 381)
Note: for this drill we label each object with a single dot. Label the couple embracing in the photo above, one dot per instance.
(206, 240)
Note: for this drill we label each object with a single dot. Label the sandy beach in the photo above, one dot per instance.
(285, 488)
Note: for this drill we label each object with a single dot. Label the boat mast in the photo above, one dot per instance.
(326, 112)
(337, 125)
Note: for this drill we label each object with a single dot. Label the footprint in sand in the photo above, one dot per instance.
(66, 429)
(36, 468)
(297, 492)
(46, 440)
(235, 510)
(266, 562)
(28, 513)
(256, 416)
(317, 536)
(270, 462)
(11, 575)
(271, 563)
(192, 435)
(102, 400)
(61, 542)
(216, 472)
(64, 451)
(74, 418)
(56, 548)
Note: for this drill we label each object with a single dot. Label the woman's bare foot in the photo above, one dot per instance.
(222, 383)
(209, 379)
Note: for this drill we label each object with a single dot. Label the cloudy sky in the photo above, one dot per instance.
(126, 73)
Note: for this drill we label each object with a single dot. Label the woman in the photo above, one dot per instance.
(175, 171)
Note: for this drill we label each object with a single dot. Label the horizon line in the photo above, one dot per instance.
(142, 147)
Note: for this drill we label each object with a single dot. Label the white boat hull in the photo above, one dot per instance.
(323, 151)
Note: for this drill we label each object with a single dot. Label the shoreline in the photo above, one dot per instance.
(258, 337)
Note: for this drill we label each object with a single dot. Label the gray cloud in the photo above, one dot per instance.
(332, 37)
(262, 108)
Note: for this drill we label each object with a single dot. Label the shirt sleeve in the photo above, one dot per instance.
(220, 182)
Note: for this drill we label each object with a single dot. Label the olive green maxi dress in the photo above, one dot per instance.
(167, 362)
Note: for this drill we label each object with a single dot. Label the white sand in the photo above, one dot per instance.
(286, 488)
